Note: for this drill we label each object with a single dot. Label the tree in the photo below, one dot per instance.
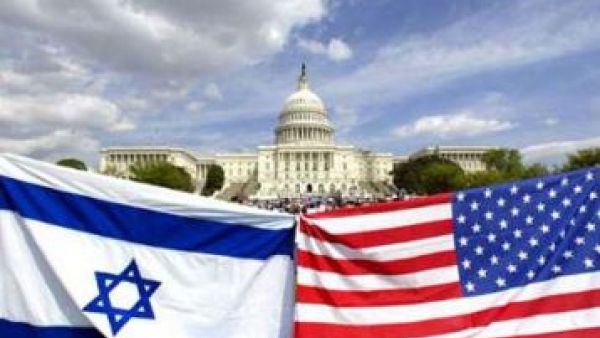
(111, 170)
(429, 175)
(507, 161)
(483, 178)
(504, 165)
(535, 170)
(163, 174)
(72, 163)
(583, 159)
(214, 180)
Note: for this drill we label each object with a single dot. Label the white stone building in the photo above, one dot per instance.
(304, 159)
(469, 158)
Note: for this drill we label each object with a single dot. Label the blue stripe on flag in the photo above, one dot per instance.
(142, 226)
(18, 330)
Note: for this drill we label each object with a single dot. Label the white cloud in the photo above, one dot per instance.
(336, 49)
(506, 35)
(551, 121)
(195, 106)
(42, 104)
(558, 149)
(52, 145)
(74, 110)
(183, 38)
(446, 126)
(213, 92)
(489, 113)
(312, 46)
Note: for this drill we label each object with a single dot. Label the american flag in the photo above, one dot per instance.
(514, 260)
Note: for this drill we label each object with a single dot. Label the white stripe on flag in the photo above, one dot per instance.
(384, 220)
(445, 308)
(30, 294)
(547, 323)
(379, 253)
(335, 281)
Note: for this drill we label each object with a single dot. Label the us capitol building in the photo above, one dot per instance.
(303, 161)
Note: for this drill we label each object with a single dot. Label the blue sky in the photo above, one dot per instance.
(211, 76)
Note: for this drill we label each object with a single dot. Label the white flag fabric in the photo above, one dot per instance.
(85, 255)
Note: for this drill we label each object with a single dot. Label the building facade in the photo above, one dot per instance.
(469, 158)
(303, 160)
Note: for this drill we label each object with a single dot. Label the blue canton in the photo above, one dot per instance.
(514, 234)
(118, 317)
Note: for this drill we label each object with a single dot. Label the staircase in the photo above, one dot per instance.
(376, 188)
(384, 188)
(232, 190)
(240, 190)
(366, 186)
(250, 187)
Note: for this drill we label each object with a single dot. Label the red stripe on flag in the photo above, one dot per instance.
(384, 207)
(363, 266)
(316, 295)
(367, 239)
(545, 305)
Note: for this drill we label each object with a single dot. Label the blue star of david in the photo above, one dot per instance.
(118, 317)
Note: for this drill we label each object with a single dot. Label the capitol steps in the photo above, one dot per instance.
(251, 187)
(231, 190)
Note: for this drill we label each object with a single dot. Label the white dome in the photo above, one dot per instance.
(303, 100)
(303, 119)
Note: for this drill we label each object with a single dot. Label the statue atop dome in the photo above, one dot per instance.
(303, 79)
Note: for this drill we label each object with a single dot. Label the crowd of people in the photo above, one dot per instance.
(313, 204)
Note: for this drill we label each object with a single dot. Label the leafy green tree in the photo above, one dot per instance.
(111, 170)
(72, 163)
(483, 178)
(504, 165)
(429, 175)
(535, 170)
(583, 159)
(214, 180)
(163, 174)
(507, 161)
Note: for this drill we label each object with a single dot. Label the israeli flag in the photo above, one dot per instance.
(85, 255)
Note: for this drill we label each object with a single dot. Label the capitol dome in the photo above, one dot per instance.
(303, 100)
(304, 117)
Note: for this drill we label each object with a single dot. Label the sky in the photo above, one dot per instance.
(211, 76)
